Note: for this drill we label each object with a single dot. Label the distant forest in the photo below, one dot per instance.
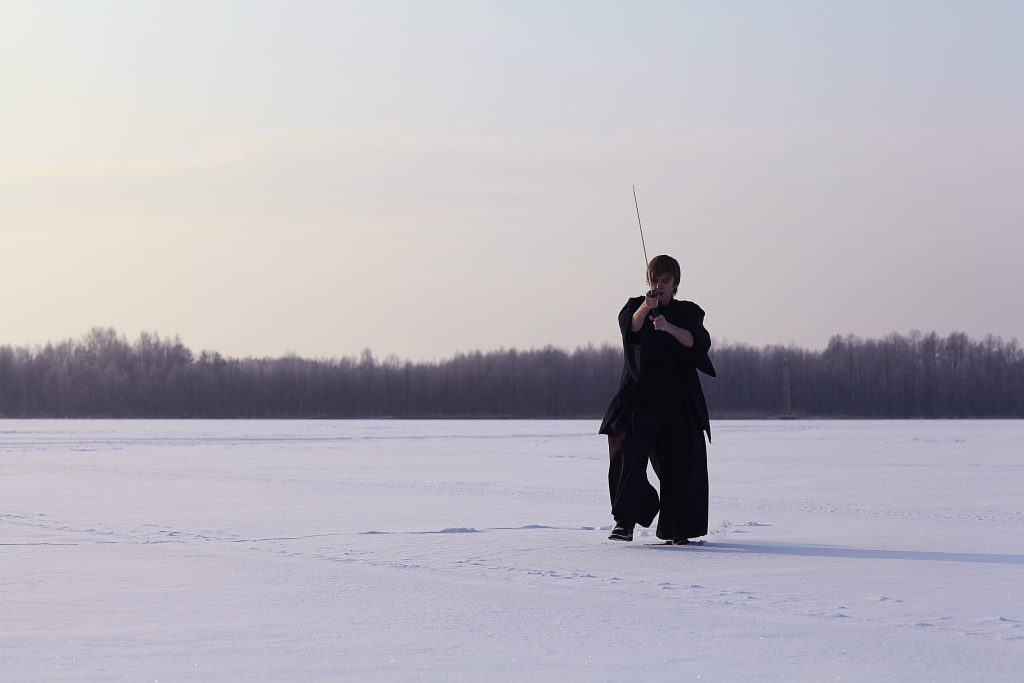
(105, 375)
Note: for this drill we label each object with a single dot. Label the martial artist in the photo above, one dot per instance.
(659, 413)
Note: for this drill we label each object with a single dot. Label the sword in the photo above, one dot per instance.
(650, 292)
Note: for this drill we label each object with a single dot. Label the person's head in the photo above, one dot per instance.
(663, 272)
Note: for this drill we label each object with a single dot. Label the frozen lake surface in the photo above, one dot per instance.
(477, 551)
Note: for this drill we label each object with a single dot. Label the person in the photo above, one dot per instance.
(659, 413)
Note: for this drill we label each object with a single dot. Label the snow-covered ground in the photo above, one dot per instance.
(477, 551)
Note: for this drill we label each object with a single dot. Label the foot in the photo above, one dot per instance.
(680, 541)
(621, 532)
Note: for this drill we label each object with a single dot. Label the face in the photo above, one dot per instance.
(664, 286)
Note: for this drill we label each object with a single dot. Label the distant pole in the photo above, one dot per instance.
(787, 403)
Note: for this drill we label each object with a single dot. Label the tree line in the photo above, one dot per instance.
(899, 376)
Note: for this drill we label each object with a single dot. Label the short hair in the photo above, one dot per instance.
(663, 265)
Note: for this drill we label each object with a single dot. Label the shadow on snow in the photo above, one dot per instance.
(802, 550)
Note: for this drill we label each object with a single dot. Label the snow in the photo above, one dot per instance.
(477, 551)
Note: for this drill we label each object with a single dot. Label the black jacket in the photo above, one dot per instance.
(640, 363)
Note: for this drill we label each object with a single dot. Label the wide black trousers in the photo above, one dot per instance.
(676, 449)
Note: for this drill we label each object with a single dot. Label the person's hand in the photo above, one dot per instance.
(651, 300)
(663, 325)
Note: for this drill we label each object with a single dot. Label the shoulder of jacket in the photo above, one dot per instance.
(690, 306)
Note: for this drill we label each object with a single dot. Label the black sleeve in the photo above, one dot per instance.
(626, 321)
(693, 322)
(701, 336)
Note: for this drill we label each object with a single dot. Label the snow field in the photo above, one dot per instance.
(476, 550)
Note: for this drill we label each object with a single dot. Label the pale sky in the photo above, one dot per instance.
(422, 178)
